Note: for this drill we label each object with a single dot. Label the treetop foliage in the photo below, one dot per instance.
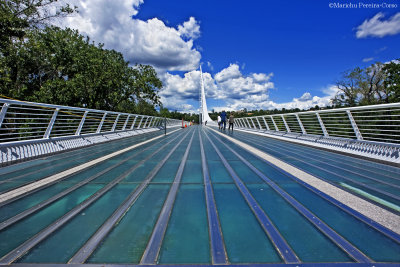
(43, 63)
(376, 84)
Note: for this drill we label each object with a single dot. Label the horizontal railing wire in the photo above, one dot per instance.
(21, 121)
(378, 123)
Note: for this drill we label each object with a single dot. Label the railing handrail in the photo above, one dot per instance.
(51, 106)
(369, 107)
(17, 122)
(349, 122)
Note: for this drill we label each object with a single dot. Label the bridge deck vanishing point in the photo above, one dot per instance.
(199, 196)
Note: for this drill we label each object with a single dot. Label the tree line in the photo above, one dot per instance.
(376, 84)
(44, 63)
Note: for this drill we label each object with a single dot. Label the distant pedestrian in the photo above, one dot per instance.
(231, 121)
(223, 119)
(219, 122)
(205, 123)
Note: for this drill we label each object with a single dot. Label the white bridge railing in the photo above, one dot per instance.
(29, 130)
(378, 123)
(20, 121)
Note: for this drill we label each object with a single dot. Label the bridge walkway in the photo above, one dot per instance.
(199, 196)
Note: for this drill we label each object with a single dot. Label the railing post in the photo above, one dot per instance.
(140, 123)
(354, 125)
(266, 124)
(247, 123)
(273, 121)
(126, 123)
(78, 131)
(321, 123)
(3, 112)
(145, 123)
(151, 122)
(101, 122)
(286, 125)
(133, 123)
(303, 130)
(51, 124)
(115, 123)
(259, 125)
(252, 122)
(254, 125)
(244, 123)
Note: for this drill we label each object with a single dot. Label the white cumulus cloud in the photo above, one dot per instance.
(378, 27)
(235, 85)
(368, 59)
(306, 101)
(231, 72)
(233, 91)
(147, 42)
(190, 29)
(229, 85)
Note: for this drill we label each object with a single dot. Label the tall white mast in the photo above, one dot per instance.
(203, 105)
(201, 98)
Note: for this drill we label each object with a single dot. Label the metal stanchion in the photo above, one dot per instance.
(165, 125)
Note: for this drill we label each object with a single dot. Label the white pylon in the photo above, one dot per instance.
(204, 117)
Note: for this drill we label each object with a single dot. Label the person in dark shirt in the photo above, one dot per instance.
(223, 119)
(231, 120)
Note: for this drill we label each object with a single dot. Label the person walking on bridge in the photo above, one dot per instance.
(223, 119)
(219, 121)
(231, 121)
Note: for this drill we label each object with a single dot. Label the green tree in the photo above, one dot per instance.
(349, 88)
(62, 67)
(372, 86)
(392, 80)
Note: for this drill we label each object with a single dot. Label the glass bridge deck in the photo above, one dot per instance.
(193, 197)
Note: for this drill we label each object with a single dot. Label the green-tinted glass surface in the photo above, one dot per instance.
(15, 207)
(309, 244)
(64, 243)
(245, 240)
(16, 234)
(371, 242)
(186, 239)
(128, 240)
(192, 172)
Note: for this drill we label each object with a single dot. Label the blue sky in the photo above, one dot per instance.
(255, 54)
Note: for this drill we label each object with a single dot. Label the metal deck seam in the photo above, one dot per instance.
(362, 206)
(283, 248)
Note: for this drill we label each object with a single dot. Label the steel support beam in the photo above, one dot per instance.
(266, 124)
(273, 121)
(78, 131)
(51, 124)
(126, 122)
(354, 125)
(115, 123)
(3, 112)
(321, 123)
(101, 123)
(303, 130)
(286, 125)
